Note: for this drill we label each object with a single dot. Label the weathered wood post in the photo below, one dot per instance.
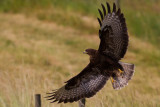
(117, 3)
(82, 102)
(37, 100)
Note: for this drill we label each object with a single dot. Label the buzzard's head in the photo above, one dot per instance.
(90, 52)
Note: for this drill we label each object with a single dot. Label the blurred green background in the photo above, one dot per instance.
(39, 38)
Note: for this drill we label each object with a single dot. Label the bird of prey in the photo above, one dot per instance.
(104, 63)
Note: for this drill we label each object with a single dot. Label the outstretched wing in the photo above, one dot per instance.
(113, 33)
(85, 84)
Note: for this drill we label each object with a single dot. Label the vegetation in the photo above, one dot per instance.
(142, 16)
(41, 45)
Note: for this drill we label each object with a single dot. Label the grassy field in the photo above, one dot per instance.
(142, 16)
(37, 50)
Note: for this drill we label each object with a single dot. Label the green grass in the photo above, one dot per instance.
(37, 56)
(144, 25)
(41, 45)
(142, 16)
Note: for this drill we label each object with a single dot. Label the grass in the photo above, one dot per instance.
(41, 50)
(37, 56)
(142, 16)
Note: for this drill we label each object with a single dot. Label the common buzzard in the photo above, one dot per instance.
(104, 62)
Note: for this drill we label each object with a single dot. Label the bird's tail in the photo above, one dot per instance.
(121, 81)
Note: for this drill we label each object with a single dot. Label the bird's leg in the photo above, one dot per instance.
(120, 71)
(112, 80)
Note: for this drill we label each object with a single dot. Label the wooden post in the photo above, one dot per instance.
(82, 102)
(37, 100)
(117, 3)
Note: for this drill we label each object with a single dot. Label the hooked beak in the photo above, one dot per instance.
(84, 52)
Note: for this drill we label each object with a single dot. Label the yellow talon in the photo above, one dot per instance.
(112, 80)
(120, 70)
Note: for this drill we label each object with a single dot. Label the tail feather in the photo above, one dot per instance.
(122, 80)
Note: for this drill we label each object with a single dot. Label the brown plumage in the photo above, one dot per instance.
(104, 62)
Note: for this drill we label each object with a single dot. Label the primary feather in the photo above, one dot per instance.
(85, 84)
(113, 34)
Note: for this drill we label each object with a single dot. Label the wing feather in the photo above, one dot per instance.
(85, 84)
(104, 9)
(99, 22)
(100, 14)
(114, 7)
(113, 34)
(108, 7)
